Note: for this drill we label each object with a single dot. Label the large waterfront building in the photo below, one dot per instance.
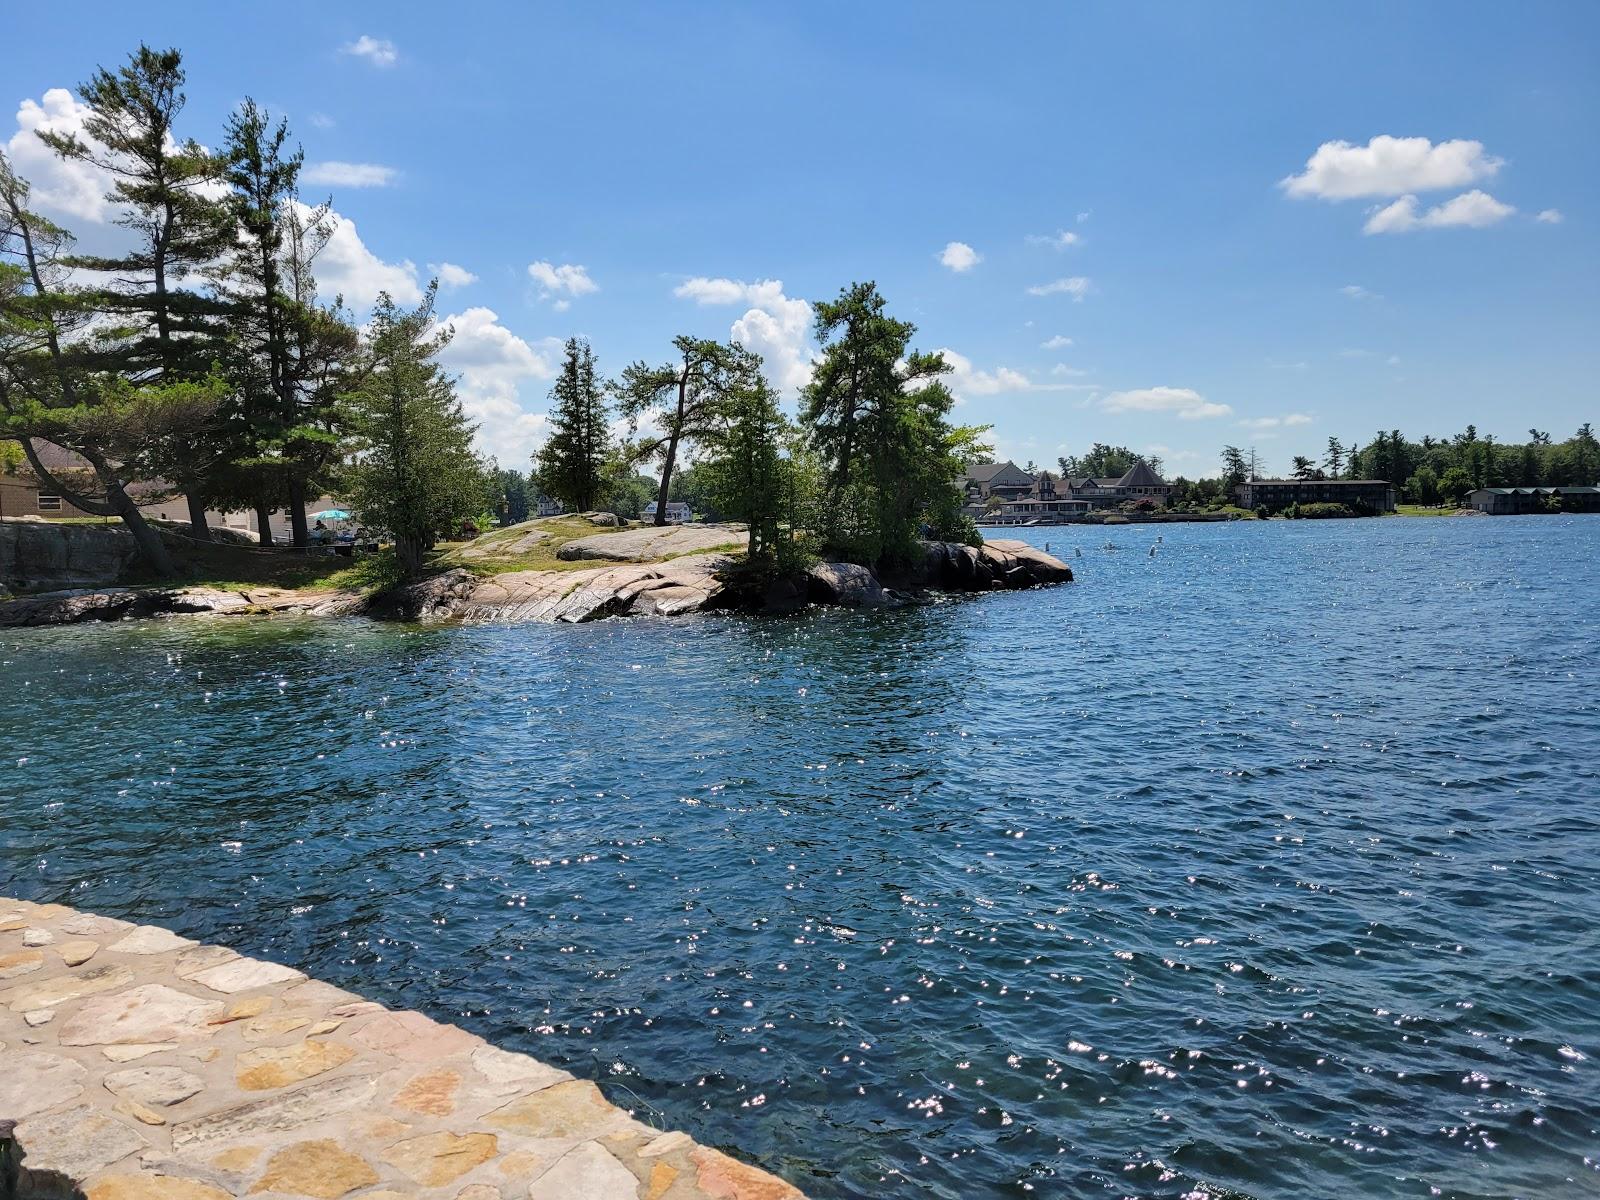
(1274, 495)
(1508, 501)
(1043, 497)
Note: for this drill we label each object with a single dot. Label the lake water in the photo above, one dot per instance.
(1268, 865)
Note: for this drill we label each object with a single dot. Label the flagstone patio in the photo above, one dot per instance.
(140, 1065)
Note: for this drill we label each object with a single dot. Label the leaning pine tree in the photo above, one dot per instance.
(571, 466)
(415, 473)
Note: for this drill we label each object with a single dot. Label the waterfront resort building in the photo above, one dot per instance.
(1045, 498)
(1274, 495)
(1510, 501)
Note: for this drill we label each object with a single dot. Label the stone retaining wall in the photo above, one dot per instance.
(139, 1065)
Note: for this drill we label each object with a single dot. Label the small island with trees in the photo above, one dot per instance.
(202, 362)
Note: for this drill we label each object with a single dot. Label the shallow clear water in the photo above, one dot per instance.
(1270, 863)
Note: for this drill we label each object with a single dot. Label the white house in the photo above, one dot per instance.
(677, 513)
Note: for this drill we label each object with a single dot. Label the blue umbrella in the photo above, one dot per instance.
(331, 514)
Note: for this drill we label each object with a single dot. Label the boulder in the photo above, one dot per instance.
(430, 599)
(608, 519)
(49, 554)
(652, 543)
(848, 584)
(683, 585)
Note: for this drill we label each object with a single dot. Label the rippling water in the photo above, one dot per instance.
(1269, 865)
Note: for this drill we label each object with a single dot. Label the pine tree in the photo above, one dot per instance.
(876, 415)
(287, 352)
(746, 468)
(162, 332)
(687, 399)
(570, 467)
(51, 387)
(415, 473)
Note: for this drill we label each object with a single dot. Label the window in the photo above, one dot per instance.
(49, 503)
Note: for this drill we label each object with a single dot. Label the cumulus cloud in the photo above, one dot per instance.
(1289, 420)
(491, 363)
(568, 278)
(1059, 342)
(346, 267)
(1390, 166)
(61, 188)
(1059, 240)
(965, 380)
(348, 174)
(1184, 403)
(451, 276)
(1550, 216)
(1473, 210)
(380, 52)
(959, 257)
(1075, 286)
(775, 326)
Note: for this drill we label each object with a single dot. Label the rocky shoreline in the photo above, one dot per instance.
(637, 572)
(140, 1065)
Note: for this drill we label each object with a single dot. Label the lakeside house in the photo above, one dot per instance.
(1274, 495)
(23, 494)
(1004, 494)
(677, 513)
(1502, 501)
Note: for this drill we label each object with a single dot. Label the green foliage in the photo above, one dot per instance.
(748, 475)
(415, 475)
(571, 466)
(1235, 467)
(1105, 462)
(689, 400)
(876, 415)
(1321, 511)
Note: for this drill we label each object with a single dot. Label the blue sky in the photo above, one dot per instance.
(1166, 225)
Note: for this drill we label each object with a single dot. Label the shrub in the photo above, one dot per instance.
(1314, 512)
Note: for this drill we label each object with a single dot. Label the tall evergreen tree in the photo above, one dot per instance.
(287, 352)
(52, 390)
(571, 465)
(876, 414)
(746, 468)
(415, 473)
(163, 332)
(687, 399)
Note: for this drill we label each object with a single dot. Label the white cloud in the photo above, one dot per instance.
(1185, 403)
(1059, 342)
(1059, 240)
(1082, 217)
(1063, 369)
(1389, 166)
(964, 380)
(347, 268)
(959, 257)
(452, 276)
(1355, 352)
(568, 277)
(1550, 216)
(347, 174)
(321, 120)
(714, 291)
(1474, 210)
(1356, 292)
(1291, 419)
(1075, 286)
(492, 362)
(70, 189)
(774, 325)
(380, 52)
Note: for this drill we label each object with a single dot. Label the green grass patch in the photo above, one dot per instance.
(1424, 510)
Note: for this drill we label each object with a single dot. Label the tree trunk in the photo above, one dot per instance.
(198, 529)
(151, 548)
(409, 551)
(299, 534)
(263, 523)
(666, 481)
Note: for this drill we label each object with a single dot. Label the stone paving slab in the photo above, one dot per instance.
(139, 1065)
